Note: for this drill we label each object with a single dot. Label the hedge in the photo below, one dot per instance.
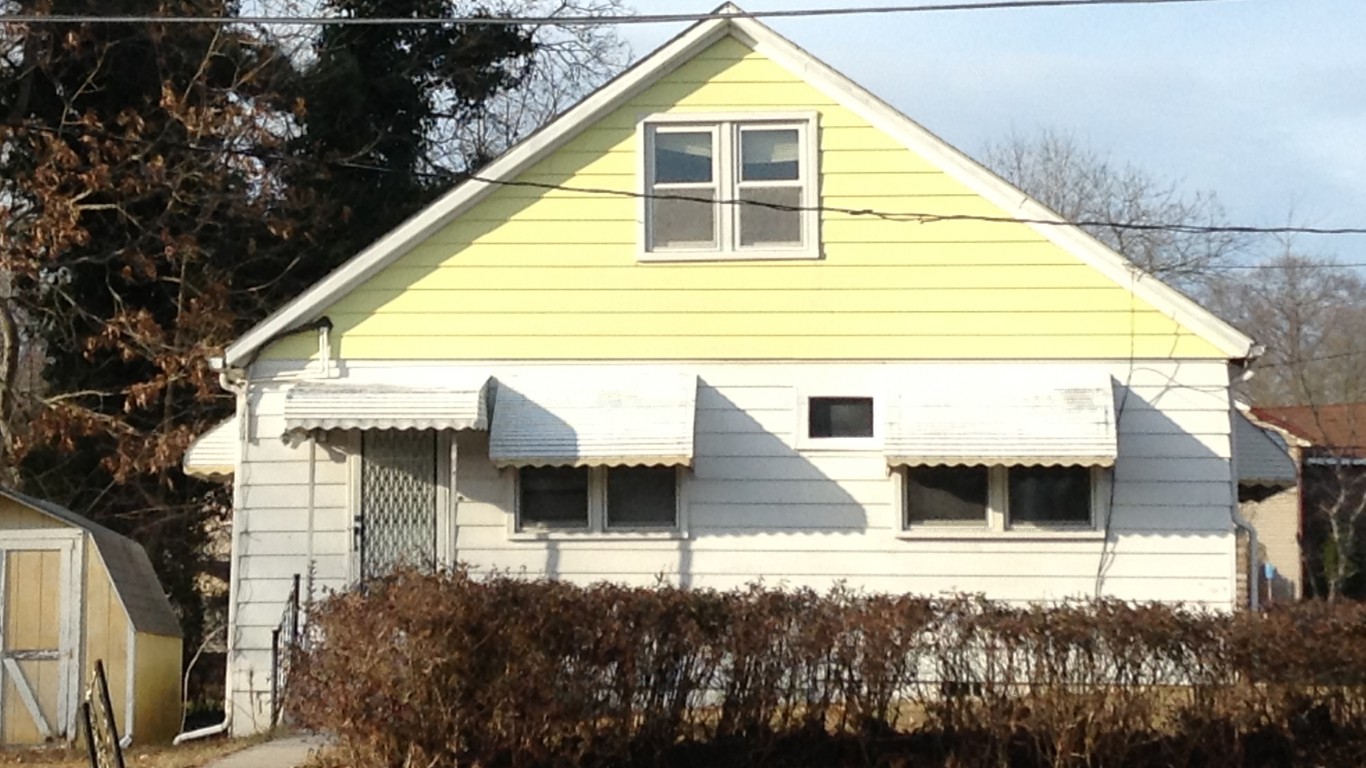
(456, 670)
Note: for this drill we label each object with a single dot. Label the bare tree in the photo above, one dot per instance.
(568, 64)
(1088, 188)
(1310, 313)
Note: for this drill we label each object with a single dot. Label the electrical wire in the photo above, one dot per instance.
(911, 217)
(580, 20)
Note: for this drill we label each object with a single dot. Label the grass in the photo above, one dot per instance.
(191, 755)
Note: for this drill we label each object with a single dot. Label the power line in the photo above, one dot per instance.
(578, 20)
(910, 217)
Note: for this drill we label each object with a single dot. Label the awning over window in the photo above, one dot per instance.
(607, 419)
(1012, 415)
(213, 455)
(323, 406)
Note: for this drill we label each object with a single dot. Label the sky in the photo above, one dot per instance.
(1262, 102)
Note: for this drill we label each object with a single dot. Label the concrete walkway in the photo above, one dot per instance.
(287, 752)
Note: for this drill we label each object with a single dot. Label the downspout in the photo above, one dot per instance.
(1253, 574)
(233, 381)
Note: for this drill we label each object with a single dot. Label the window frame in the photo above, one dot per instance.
(726, 128)
(997, 523)
(597, 527)
(806, 442)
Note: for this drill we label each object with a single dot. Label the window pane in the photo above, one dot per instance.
(683, 158)
(763, 225)
(684, 223)
(554, 497)
(946, 495)
(398, 500)
(642, 497)
(769, 155)
(840, 417)
(1050, 495)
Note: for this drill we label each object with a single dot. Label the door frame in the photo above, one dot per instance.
(69, 542)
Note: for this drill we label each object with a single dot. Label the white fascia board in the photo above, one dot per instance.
(993, 188)
(465, 195)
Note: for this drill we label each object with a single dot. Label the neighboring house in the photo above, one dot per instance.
(1329, 447)
(73, 592)
(561, 368)
(1269, 497)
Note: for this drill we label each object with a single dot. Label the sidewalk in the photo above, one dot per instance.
(287, 752)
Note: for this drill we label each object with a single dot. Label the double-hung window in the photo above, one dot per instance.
(1018, 498)
(597, 499)
(729, 187)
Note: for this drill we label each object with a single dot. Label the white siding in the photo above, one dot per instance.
(757, 507)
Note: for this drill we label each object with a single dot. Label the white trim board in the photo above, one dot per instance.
(649, 70)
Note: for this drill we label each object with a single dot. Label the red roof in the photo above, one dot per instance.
(1340, 428)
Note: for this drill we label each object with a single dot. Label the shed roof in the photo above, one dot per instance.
(135, 581)
(1339, 428)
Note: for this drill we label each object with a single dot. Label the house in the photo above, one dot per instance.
(1269, 499)
(73, 592)
(733, 318)
(1328, 447)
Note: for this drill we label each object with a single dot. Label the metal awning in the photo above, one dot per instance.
(322, 406)
(1016, 415)
(213, 455)
(603, 419)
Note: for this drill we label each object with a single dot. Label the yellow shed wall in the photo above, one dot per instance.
(17, 517)
(157, 704)
(106, 634)
(536, 274)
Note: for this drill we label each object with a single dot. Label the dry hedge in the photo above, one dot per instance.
(450, 669)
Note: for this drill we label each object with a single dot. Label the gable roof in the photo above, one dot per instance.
(135, 581)
(306, 307)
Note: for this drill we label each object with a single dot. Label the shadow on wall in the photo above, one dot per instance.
(748, 484)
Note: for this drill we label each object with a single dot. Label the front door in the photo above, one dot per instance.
(39, 619)
(397, 524)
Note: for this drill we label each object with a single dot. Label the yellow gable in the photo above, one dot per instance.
(536, 274)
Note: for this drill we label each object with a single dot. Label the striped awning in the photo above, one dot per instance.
(213, 455)
(1016, 415)
(323, 406)
(602, 419)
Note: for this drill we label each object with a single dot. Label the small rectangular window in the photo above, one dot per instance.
(553, 497)
(947, 495)
(642, 497)
(1049, 496)
(840, 417)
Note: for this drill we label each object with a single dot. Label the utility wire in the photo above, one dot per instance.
(897, 216)
(577, 20)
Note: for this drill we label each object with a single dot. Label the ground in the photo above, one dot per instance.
(191, 755)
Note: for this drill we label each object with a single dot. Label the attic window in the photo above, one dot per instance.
(737, 187)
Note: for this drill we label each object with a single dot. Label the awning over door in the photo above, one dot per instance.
(213, 455)
(606, 419)
(322, 406)
(1013, 415)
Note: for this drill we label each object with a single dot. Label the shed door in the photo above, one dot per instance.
(38, 623)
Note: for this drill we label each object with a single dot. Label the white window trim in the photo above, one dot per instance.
(807, 443)
(996, 524)
(726, 127)
(597, 529)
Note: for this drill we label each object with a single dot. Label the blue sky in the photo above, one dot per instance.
(1260, 101)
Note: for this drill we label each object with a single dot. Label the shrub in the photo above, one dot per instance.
(449, 669)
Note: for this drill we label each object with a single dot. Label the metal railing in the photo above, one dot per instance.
(284, 641)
